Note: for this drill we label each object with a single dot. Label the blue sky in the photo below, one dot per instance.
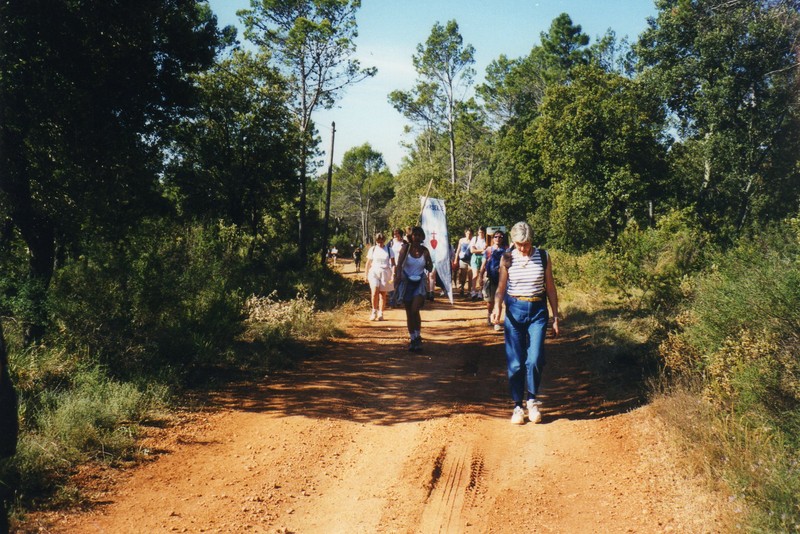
(390, 30)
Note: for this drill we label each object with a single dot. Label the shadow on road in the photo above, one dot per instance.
(371, 377)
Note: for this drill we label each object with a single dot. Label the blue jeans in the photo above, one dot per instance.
(525, 329)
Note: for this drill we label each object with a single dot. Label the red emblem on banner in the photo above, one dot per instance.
(433, 240)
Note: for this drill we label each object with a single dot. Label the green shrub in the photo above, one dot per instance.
(652, 265)
(274, 327)
(70, 413)
(739, 339)
(97, 416)
(755, 286)
(168, 297)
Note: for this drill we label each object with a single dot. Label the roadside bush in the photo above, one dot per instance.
(591, 271)
(274, 327)
(165, 299)
(652, 265)
(69, 413)
(738, 341)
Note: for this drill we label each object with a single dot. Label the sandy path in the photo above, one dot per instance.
(370, 438)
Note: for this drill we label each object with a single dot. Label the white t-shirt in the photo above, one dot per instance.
(479, 243)
(381, 257)
(397, 246)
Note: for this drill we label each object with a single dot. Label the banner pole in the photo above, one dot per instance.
(427, 194)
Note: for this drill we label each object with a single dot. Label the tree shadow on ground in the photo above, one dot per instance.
(370, 376)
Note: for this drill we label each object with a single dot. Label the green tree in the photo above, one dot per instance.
(513, 94)
(614, 55)
(564, 48)
(362, 181)
(514, 89)
(729, 73)
(87, 91)
(314, 43)
(601, 155)
(444, 65)
(235, 159)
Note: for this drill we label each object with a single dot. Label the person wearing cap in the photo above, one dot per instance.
(526, 286)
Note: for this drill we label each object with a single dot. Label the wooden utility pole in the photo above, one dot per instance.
(328, 201)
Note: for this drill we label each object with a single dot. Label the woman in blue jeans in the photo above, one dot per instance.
(526, 286)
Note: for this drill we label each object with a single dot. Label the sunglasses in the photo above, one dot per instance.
(497, 236)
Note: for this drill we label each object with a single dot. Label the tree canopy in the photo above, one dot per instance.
(313, 42)
(88, 92)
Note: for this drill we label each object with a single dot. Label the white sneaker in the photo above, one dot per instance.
(380, 316)
(497, 328)
(518, 416)
(373, 315)
(534, 416)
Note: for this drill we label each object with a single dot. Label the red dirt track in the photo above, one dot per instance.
(367, 437)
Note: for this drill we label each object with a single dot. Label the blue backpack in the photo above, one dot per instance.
(493, 264)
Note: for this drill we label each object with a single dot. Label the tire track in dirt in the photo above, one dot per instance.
(454, 489)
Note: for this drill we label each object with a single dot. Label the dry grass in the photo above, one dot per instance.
(751, 462)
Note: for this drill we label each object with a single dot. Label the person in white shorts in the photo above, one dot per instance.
(380, 272)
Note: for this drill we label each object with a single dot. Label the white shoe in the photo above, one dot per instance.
(497, 328)
(534, 416)
(518, 416)
(373, 315)
(380, 316)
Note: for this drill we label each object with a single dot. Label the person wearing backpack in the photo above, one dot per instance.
(491, 269)
(464, 258)
(526, 285)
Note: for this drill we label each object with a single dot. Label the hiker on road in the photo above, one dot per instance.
(380, 271)
(526, 286)
(397, 243)
(477, 247)
(464, 257)
(414, 260)
(357, 258)
(491, 268)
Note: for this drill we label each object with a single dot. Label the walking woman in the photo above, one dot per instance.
(414, 260)
(379, 268)
(477, 246)
(526, 286)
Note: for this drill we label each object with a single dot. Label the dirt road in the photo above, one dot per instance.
(370, 438)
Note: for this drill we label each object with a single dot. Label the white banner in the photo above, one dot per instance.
(434, 222)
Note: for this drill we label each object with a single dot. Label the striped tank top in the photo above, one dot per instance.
(526, 274)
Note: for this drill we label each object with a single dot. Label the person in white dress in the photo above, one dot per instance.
(380, 273)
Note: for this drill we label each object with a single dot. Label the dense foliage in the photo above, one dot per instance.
(153, 176)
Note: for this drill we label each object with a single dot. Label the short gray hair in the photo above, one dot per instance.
(521, 233)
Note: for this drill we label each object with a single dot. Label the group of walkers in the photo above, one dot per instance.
(514, 279)
(397, 273)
